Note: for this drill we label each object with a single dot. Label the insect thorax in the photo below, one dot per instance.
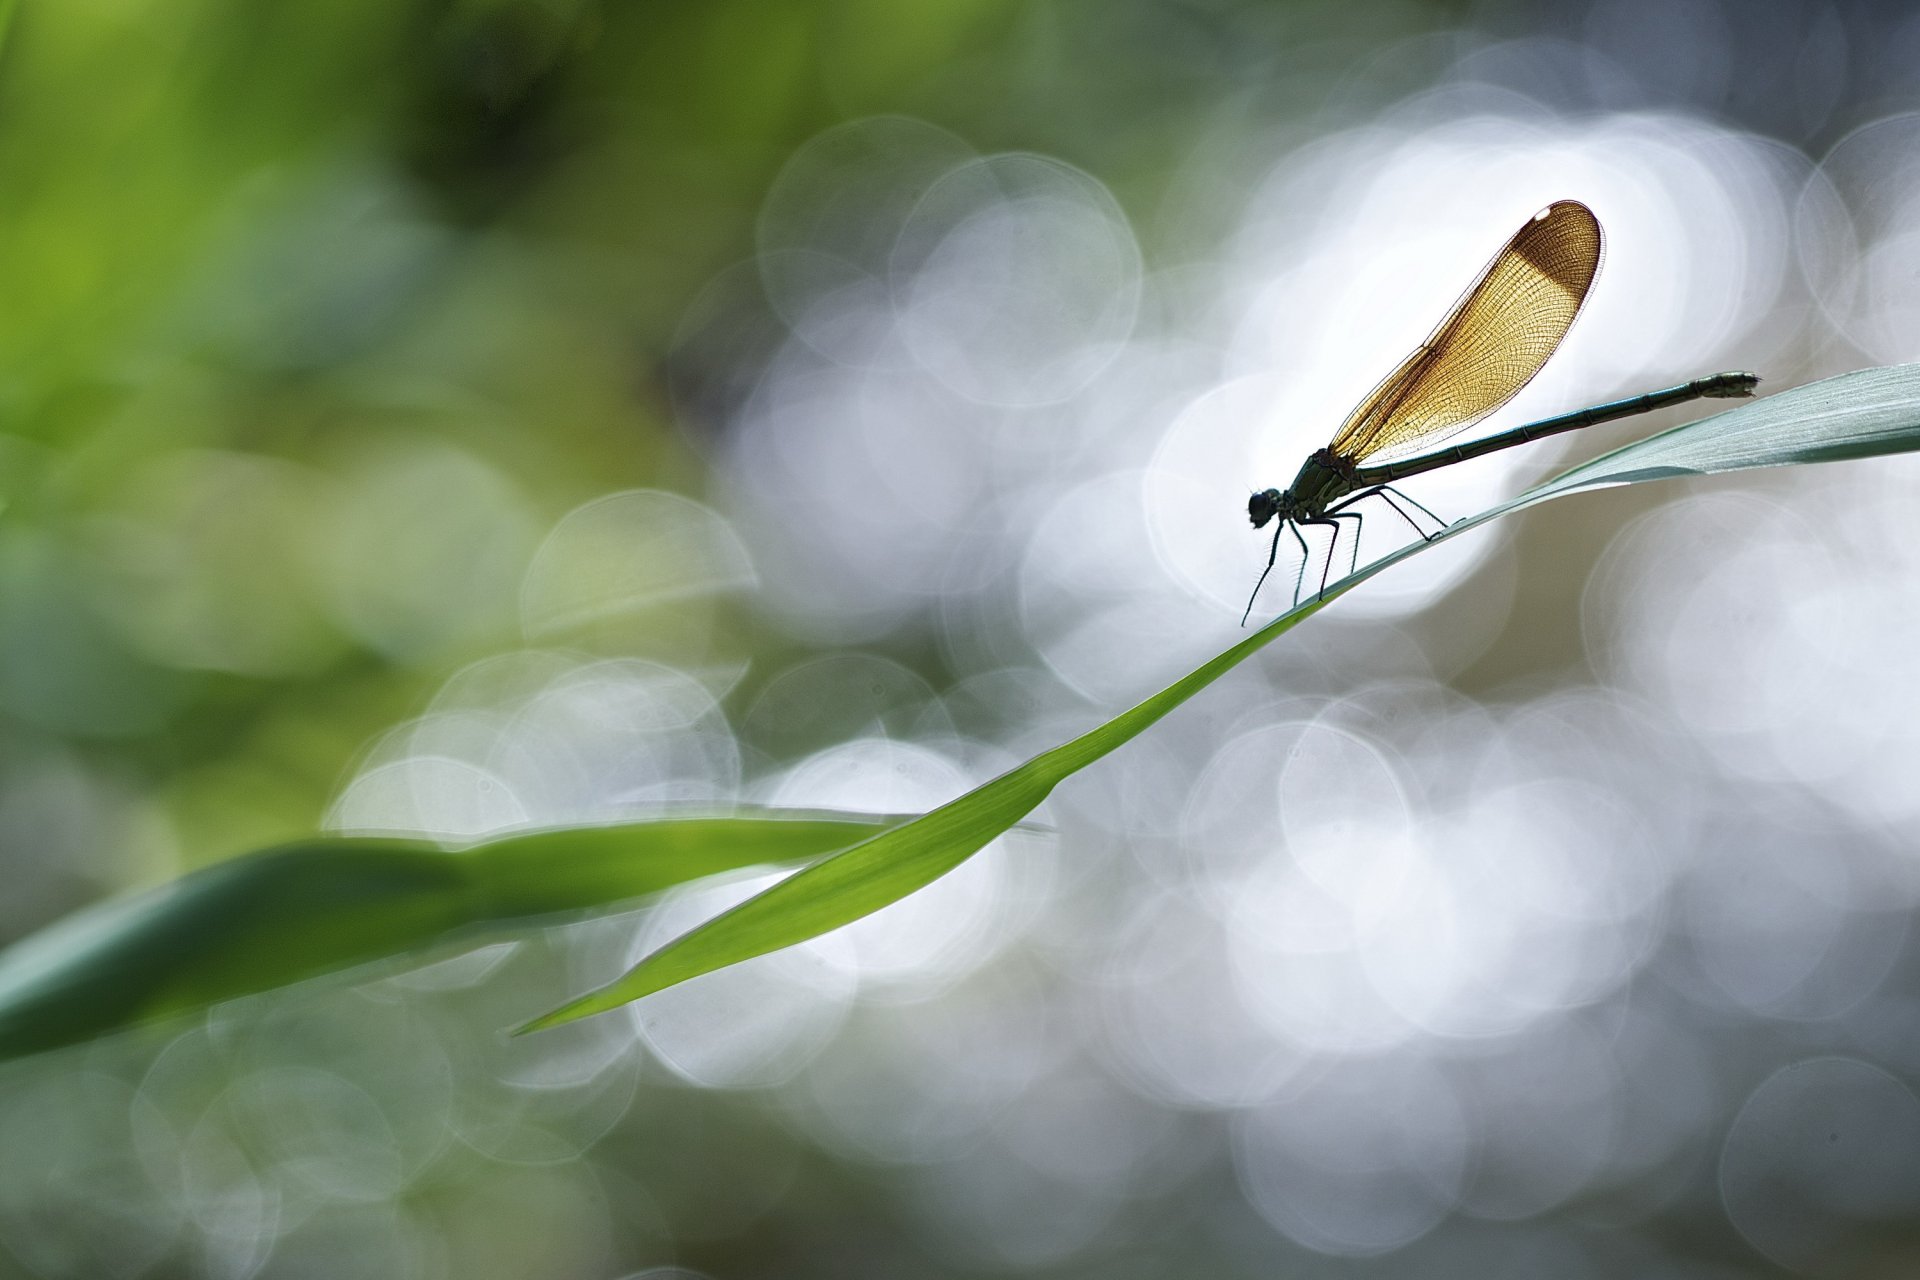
(1323, 477)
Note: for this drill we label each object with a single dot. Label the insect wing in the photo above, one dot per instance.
(1491, 344)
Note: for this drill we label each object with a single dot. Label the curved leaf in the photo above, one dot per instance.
(285, 914)
(319, 906)
(1856, 415)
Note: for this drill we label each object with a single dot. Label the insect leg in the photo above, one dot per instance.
(1387, 489)
(1299, 578)
(1424, 535)
(1271, 555)
(1387, 494)
(1328, 567)
(1353, 561)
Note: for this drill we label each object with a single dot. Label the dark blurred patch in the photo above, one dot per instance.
(727, 339)
(487, 117)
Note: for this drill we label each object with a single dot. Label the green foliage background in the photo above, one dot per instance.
(317, 316)
(295, 291)
(313, 320)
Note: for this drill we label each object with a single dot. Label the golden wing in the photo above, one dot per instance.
(1490, 345)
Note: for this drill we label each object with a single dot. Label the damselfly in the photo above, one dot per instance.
(1490, 345)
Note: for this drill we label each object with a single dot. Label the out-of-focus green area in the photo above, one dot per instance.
(316, 317)
(444, 417)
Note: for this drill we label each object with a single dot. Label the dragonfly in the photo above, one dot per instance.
(1497, 336)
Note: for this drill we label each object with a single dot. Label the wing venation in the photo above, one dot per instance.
(1490, 345)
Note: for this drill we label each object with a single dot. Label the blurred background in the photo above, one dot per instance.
(447, 416)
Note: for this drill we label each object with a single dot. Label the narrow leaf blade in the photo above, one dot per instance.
(878, 872)
(1855, 415)
(283, 915)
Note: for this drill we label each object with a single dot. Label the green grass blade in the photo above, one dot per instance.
(885, 868)
(286, 914)
(1856, 415)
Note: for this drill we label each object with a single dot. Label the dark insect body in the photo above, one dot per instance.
(1500, 333)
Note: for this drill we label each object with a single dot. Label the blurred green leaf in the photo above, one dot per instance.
(1856, 415)
(297, 911)
(285, 914)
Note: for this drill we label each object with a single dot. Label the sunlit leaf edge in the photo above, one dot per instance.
(1855, 415)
